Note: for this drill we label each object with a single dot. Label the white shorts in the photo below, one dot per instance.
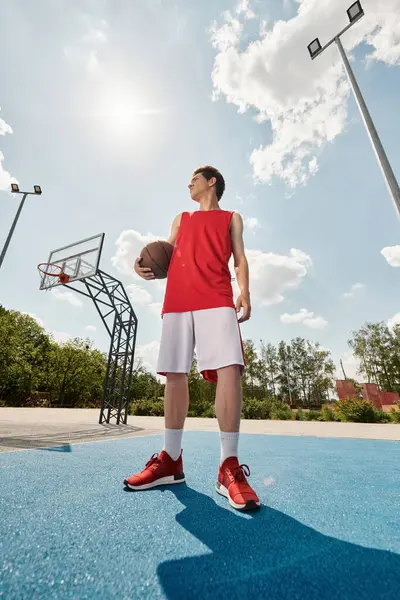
(215, 335)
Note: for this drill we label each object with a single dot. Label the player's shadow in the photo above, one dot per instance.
(271, 555)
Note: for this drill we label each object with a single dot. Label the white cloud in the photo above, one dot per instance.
(66, 296)
(37, 319)
(4, 127)
(227, 35)
(156, 308)
(308, 318)
(243, 7)
(138, 295)
(148, 353)
(5, 178)
(84, 50)
(91, 328)
(160, 284)
(129, 245)
(272, 275)
(95, 34)
(287, 5)
(395, 320)
(251, 223)
(392, 255)
(246, 200)
(353, 290)
(313, 166)
(60, 336)
(305, 101)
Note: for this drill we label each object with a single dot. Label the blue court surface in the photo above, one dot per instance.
(329, 526)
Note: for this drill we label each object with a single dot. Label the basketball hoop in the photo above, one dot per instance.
(52, 270)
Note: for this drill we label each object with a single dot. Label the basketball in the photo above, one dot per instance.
(157, 256)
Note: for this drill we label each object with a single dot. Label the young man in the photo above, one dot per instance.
(199, 312)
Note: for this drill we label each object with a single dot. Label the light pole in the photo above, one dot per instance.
(37, 190)
(355, 12)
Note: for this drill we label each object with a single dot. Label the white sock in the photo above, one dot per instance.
(229, 444)
(173, 442)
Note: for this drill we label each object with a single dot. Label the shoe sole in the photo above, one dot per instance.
(250, 504)
(171, 479)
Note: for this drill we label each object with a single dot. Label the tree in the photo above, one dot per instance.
(144, 384)
(286, 374)
(72, 373)
(378, 349)
(253, 371)
(305, 372)
(24, 353)
(77, 373)
(201, 392)
(269, 368)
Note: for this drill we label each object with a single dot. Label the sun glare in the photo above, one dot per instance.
(121, 113)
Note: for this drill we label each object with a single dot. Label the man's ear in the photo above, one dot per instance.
(212, 181)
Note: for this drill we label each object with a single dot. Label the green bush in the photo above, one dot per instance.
(382, 417)
(37, 400)
(300, 415)
(209, 413)
(198, 409)
(356, 411)
(328, 414)
(395, 416)
(281, 411)
(147, 408)
(256, 409)
(314, 415)
(351, 410)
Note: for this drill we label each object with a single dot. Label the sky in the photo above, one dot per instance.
(110, 106)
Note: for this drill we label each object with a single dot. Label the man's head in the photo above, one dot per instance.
(205, 179)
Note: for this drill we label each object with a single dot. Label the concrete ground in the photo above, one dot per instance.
(327, 528)
(22, 428)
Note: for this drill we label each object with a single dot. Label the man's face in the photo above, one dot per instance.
(198, 186)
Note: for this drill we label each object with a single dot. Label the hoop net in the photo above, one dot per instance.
(53, 270)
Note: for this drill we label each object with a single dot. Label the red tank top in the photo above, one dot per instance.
(198, 274)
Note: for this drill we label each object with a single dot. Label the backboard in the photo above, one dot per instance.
(78, 260)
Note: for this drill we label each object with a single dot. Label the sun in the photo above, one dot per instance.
(122, 112)
(118, 113)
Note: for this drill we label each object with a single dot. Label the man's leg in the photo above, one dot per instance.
(175, 358)
(176, 406)
(228, 407)
(232, 482)
(221, 359)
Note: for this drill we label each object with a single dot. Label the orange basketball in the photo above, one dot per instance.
(157, 256)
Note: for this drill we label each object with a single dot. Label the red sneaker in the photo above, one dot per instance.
(232, 484)
(159, 470)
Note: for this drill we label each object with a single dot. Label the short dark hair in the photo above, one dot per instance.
(209, 172)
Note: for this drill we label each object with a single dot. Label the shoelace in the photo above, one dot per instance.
(240, 472)
(153, 462)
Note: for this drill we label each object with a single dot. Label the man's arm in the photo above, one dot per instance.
(174, 229)
(146, 273)
(241, 267)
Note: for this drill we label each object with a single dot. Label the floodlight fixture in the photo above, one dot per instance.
(355, 12)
